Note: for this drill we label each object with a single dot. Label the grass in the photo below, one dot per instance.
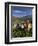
(21, 33)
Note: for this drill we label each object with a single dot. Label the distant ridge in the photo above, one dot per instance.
(13, 18)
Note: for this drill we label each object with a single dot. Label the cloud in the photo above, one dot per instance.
(17, 11)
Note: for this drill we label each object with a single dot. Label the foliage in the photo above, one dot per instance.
(21, 33)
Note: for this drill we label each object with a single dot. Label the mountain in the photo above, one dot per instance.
(17, 19)
(14, 19)
(26, 17)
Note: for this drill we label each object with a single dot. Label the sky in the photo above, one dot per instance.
(20, 11)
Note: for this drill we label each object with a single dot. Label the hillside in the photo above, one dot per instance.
(13, 18)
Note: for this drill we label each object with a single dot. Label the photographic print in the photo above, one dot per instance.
(21, 19)
(21, 22)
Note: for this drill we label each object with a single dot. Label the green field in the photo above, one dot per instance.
(21, 33)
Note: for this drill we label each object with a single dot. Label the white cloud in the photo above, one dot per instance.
(17, 11)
